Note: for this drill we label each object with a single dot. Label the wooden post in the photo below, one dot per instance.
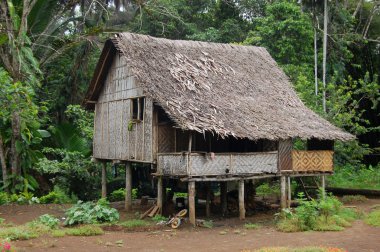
(128, 186)
(289, 193)
(223, 197)
(283, 192)
(208, 200)
(323, 186)
(159, 194)
(241, 200)
(191, 189)
(104, 179)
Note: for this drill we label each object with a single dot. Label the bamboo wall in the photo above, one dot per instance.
(113, 139)
(180, 164)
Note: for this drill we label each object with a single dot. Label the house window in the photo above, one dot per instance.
(138, 108)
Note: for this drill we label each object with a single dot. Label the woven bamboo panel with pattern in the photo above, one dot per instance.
(260, 163)
(165, 139)
(312, 160)
(284, 154)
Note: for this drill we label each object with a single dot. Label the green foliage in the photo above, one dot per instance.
(373, 218)
(119, 194)
(130, 224)
(4, 198)
(58, 196)
(267, 189)
(356, 177)
(159, 218)
(83, 120)
(17, 233)
(323, 214)
(251, 226)
(91, 213)
(49, 221)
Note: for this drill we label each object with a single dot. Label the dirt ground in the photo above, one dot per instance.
(226, 235)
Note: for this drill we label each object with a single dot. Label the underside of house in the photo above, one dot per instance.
(201, 112)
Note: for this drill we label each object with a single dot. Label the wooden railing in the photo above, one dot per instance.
(214, 164)
(312, 161)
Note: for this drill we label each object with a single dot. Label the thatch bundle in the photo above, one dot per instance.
(230, 90)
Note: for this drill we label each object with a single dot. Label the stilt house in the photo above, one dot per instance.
(202, 111)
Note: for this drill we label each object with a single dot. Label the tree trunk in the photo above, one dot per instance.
(16, 136)
(325, 19)
(3, 162)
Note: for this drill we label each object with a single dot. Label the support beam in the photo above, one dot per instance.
(128, 186)
(191, 191)
(104, 180)
(223, 197)
(159, 194)
(241, 200)
(289, 200)
(323, 186)
(283, 192)
(208, 200)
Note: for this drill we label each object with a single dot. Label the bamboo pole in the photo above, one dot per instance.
(289, 201)
(208, 200)
(323, 186)
(104, 180)
(159, 194)
(283, 192)
(128, 186)
(223, 197)
(241, 200)
(191, 189)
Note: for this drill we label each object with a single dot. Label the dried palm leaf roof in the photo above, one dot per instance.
(231, 90)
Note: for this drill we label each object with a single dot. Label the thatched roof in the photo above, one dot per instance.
(230, 90)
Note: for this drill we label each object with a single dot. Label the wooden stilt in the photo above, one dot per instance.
(241, 200)
(128, 186)
(223, 197)
(208, 200)
(283, 192)
(289, 200)
(104, 179)
(191, 191)
(159, 194)
(323, 186)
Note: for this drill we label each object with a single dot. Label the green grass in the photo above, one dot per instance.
(129, 224)
(355, 177)
(353, 198)
(251, 226)
(335, 222)
(18, 233)
(373, 218)
(85, 230)
(303, 249)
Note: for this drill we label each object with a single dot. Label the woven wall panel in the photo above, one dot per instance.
(261, 163)
(312, 160)
(285, 155)
(165, 139)
(202, 165)
(175, 164)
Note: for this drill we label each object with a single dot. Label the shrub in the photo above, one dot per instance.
(17, 233)
(4, 198)
(158, 218)
(373, 218)
(49, 221)
(119, 194)
(91, 213)
(324, 214)
(58, 196)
